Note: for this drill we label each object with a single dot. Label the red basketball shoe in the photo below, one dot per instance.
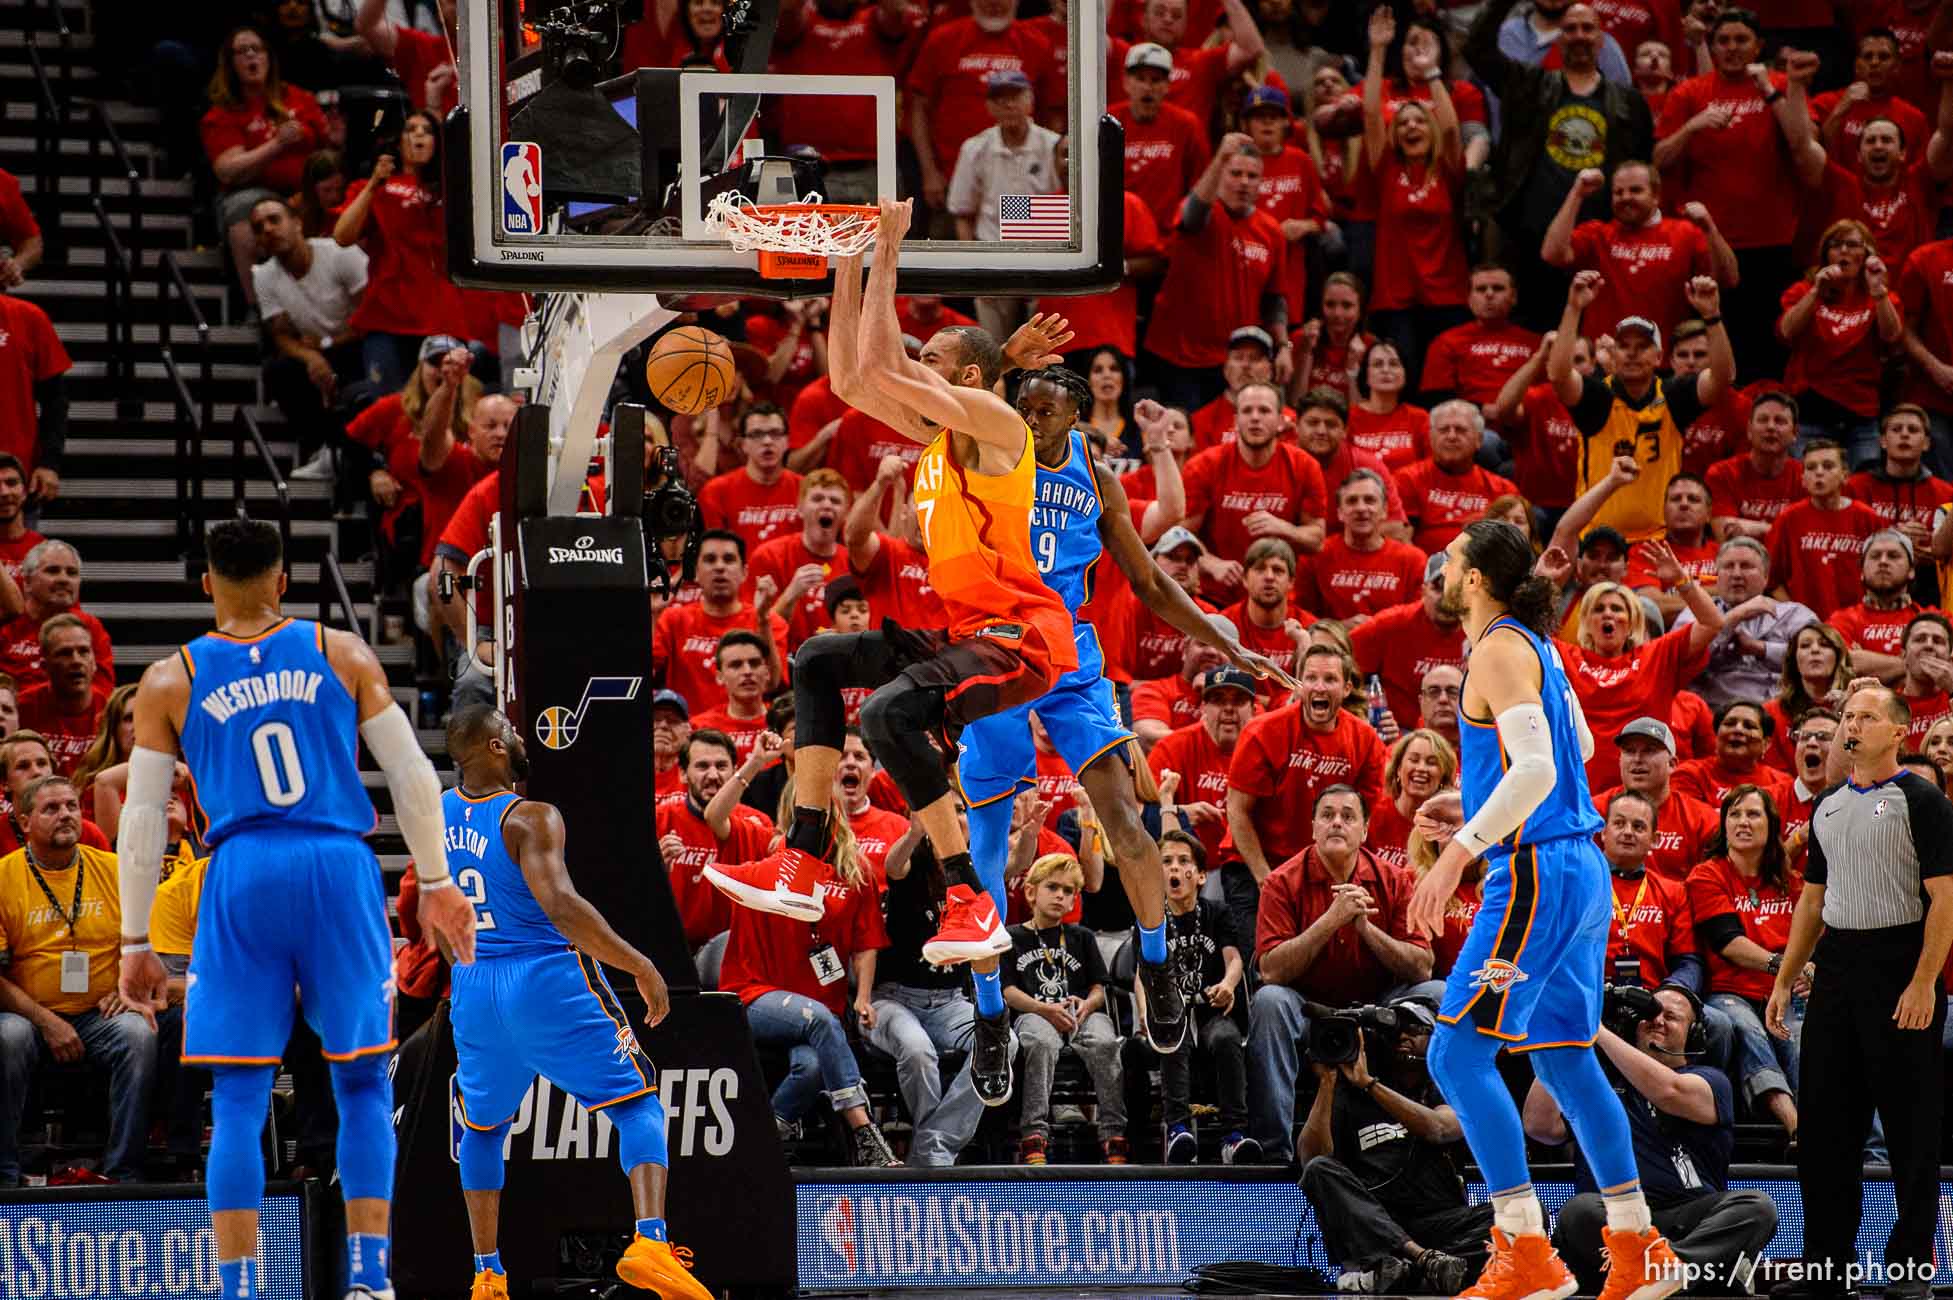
(787, 883)
(970, 931)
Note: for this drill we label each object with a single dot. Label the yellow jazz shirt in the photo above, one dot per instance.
(35, 937)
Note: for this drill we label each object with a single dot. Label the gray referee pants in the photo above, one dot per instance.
(1857, 1061)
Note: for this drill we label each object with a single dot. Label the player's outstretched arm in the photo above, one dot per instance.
(885, 367)
(534, 835)
(1509, 689)
(416, 790)
(163, 695)
(1160, 593)
(844, 370)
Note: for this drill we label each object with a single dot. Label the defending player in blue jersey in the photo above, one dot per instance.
(268, 713)
(1080, 515)
(1531, 973)
(536, 1001)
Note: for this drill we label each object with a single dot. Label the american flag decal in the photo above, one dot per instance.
(1034, 216)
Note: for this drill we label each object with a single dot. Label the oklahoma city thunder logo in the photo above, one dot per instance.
(557, 726)
(626, 1043)
(1497, 975)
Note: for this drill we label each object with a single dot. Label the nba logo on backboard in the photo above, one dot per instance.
(521, 188)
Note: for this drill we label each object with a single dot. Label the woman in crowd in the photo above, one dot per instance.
(113, 743)
(1518, 512)
(793, 1006)
(1416, 170)
(1839, 323)
(1421, 763)
(1618, 673)
(1938, 746)
(1742, 897)
(398, 216)
(1380, 421)
(1111, 412)
(1422, 49)
(1816, 667)
(321, 193)
(257, 135)
(1744, 731)
(1142, 484)
(1332, 347)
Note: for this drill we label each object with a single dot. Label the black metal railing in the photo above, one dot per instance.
(50, 122)
(105, 132)
(119, 279)
(170, 283)
(244, 429)
(189, 463)
(335, 598)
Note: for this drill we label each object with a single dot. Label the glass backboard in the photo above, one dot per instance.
(591, 144)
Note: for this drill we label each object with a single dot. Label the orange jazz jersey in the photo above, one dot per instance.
(976, 529)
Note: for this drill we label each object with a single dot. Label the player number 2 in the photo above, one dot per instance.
(278, 770)
(1047, 552)
(472, 884)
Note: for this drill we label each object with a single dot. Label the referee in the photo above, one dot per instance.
(1879, 887)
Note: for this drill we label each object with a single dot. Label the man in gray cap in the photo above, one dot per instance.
(1015, 156)
(1204, 68)
(1746, 658)
(1166, 146)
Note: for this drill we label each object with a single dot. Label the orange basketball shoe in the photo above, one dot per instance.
(661, 1267)
(1525, 1267)
(490, 1285)
(970, 931)
(786, 882)
(1640, 1266)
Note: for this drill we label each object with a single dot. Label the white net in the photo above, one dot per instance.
(812, 227)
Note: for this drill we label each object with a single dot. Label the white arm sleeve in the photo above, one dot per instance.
(416, 793)
(139, 840)
(1527, 781)
(1580, 725)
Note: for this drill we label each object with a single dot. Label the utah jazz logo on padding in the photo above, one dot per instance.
(556, 726)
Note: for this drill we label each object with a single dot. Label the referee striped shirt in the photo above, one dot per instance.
(1872, 848)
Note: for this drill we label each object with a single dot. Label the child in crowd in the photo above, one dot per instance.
(1054, 980)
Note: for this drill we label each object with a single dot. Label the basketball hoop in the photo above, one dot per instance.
(793, 240)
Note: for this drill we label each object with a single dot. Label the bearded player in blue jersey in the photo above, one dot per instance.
(268, 713)
(536, 1001)
(1080, 514)
(1530, 976)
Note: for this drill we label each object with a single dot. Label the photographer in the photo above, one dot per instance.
(1683, 1120)
(1389, 1199)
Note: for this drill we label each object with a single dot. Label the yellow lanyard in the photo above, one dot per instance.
(1626, 918)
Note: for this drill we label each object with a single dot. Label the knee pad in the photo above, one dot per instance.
(897, 721)
(481, 1157)
(819, 673)
(640, 1131)
(240, 1098)
(364, 1095)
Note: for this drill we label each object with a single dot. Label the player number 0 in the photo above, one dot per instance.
(283, 779)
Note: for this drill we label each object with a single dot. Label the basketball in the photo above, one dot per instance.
(691, 370)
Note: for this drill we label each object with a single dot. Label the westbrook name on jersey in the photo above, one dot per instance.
(271, 736)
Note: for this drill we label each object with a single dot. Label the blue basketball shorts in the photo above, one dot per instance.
(289, 919)
(1534, 964)
(995, 755)
(550, 1013)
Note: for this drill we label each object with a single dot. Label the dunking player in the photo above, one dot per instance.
(1081, 514)
(536, 1001)
(1009, 636)
(265, 709)
(1529, 977)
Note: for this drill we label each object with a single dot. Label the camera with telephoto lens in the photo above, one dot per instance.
(1334, 1033)
(670, 510)
(1624, 1008)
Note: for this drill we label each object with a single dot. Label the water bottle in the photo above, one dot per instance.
(1378, 706)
